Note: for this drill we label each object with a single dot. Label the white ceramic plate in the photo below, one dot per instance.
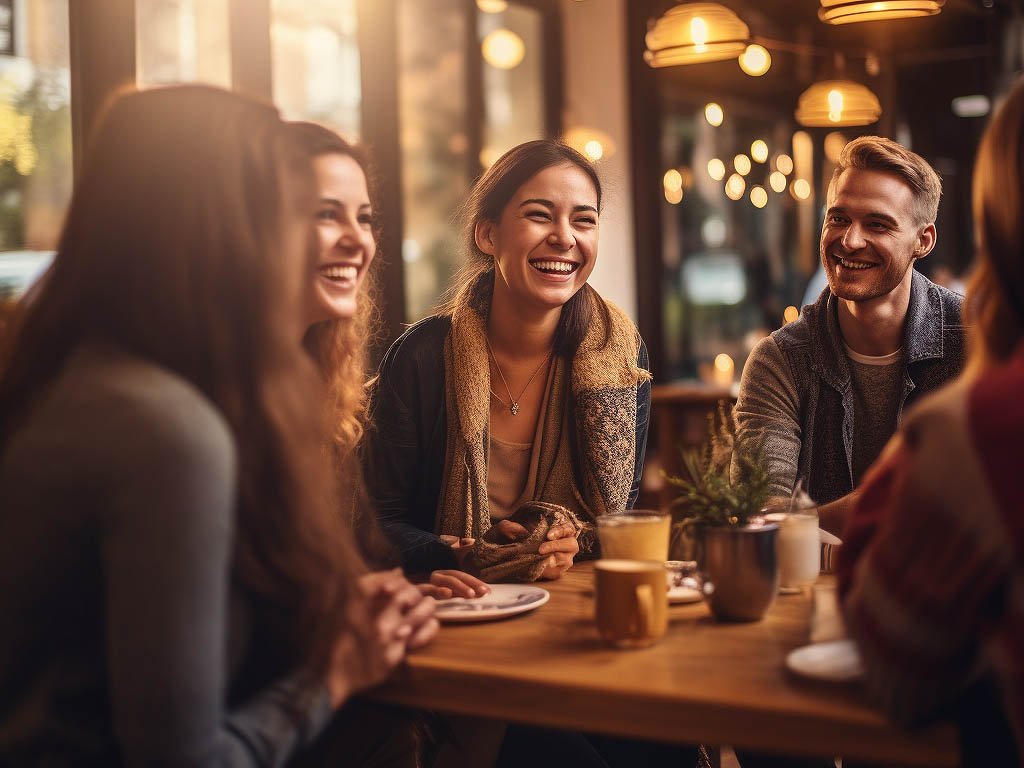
(681, 594)
(503, 600)
(835, 662)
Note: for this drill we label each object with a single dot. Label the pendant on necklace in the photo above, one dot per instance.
(514, 408)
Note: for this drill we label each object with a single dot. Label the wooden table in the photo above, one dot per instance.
(704, 682)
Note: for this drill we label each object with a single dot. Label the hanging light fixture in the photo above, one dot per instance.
(693, 33)
(836, 103)
(851, 11)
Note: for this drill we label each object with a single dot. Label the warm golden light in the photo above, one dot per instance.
(735, 187)
(590, 142)
(724, 370)
(758, 196)
(503, 49)
(673, 180)
(492, 6)
(759, 151)
(777, 181)
(801, 189)
(714, 114)
(853, 11)
(835, 103)
(716, 169)
(755, 60)
(834, 143)
(691, 33)
(784, 163)
(674, 196)
(790, 314)
(699, 33)
(742, 164)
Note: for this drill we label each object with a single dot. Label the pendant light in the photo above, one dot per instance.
(694, 33)
(852, 11)
(837, 103)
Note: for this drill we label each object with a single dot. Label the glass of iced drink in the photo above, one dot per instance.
(634, 535)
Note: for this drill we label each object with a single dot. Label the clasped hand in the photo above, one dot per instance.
(387, 616)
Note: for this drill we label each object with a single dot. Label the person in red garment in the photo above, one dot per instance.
(931, 575)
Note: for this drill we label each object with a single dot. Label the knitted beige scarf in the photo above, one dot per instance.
(588, 440)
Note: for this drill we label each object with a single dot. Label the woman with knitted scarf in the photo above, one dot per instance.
(526, 387)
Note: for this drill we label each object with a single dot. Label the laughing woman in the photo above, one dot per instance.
(527, 386)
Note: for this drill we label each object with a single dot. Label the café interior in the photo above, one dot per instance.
(715, 128)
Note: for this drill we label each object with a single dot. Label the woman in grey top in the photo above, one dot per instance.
(176, 587)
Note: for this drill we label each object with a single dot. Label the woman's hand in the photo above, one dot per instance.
(387, 616)
(562, 546)
(444, 584)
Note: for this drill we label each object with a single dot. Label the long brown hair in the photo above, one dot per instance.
(487, 199)
(186, 243)
(995, 293)
(340, 350)
(339, 347)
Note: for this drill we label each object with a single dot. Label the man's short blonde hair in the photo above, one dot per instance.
(874, 153)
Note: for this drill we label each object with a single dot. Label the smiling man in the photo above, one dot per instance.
(826, 392)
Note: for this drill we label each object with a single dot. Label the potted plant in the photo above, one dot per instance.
(722, 490)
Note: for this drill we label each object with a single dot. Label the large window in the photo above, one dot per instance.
(315, 59)
(472, 84)
(35, 136)
(182, 41)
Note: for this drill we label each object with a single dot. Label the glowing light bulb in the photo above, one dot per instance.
(759, 150)
(801, 189)
(674, 196)
(835, 105)
(735, 187)
(777, 181)
(784, 163)
(594, 150)
(714, 114)
(742, 164)
(716, 169)
(699, 34)
(755, 60)
(673, 179)
(503, 49)
(790, 314)
(758, 196)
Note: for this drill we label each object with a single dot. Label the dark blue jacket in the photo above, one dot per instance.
(934, 353)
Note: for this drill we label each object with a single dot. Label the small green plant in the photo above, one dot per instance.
(725, 482)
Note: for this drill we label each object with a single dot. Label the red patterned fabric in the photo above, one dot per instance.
(931, 572)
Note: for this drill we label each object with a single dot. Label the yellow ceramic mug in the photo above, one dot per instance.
(632, 602)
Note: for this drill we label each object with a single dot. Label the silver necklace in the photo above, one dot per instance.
(513, 404)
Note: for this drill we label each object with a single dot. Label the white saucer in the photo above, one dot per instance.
(681, 594)
(835, 662)
(503, 600)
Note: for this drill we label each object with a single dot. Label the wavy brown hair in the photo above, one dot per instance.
(340, 350)
(995, 292)
(340, 347)
(487, 199)
(187, 244)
